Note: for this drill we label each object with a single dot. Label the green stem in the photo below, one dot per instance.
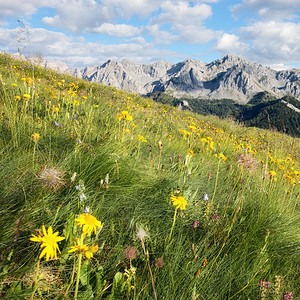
(215, 189)
(149, 267)
(78, 275)
(35, 286)
(79, 268)
(174, 219)
(71, 281)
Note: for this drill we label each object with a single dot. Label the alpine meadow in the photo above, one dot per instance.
(109, 195)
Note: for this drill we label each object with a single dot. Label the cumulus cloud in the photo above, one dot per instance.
(270, 9)
(78, 53)
(266, 42)
(117, 30)
(273, 41)
(182, 13)
(19, 8)
(185, 22)
(230, 43)
(78, 15)
(128, 8)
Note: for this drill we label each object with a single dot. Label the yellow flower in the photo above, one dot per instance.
(124, 115)
(190, 152)
(272, 173)
(88, 223)
(78, 247)
(49, 242)
(141, 138)
(222, 156)
(26, 96)
(89, 253)
(14, 84)
(18, 98)
(35, 136)
(179, 202)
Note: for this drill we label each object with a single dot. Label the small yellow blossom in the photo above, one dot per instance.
(190, 152)
(26, 96)
(179, 202)
(49, 242)
(18, 98)
(124, 115)
(141, 138)
(35, 136)
(88, 223)
(91, 250)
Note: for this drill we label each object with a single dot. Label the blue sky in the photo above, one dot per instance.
(89, 32)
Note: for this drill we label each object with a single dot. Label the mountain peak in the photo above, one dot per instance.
(231, 77)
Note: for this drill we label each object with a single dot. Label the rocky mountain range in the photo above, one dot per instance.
(231, 77)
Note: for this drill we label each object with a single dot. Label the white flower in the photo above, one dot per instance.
(205, 197)
(82, 197)
(141, 234)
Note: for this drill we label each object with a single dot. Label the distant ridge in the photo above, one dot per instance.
(231, 77)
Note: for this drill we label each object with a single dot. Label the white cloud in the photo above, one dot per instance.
(185, 23)
(274, 41)
(78, 53)
(161, 37)
(78, 15)
(267, 42)
(128, 8)
(270, 9)
(117, 30)
(230, 44)
(182, 13)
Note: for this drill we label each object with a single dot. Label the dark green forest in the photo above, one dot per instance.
(263, 110)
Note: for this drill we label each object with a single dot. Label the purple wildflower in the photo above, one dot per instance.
(195, 224)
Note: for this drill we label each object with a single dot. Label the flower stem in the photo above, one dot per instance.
(71, 281)
(35, 286)
(174, 219)
(79, 268)
(78, 275)
(216, 182)
(148, 261)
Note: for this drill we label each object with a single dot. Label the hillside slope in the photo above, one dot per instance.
(107, 195)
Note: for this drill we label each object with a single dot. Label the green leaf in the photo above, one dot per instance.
(84, 272)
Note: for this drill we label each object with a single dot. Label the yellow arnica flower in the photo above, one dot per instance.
(190, 152)
(89, 253)
(49, 242)
(26, 96)
(179, 202)
(78, 248)
(88, 223)
(141, 138)
(35, 136)
(18, 98)
(124, 115)
(272, 173)
(82, 248)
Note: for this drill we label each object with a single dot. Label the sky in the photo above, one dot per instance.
(90, 32)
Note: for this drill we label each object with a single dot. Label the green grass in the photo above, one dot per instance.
(247, 233)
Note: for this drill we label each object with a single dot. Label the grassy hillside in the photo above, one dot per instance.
(107, 195)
